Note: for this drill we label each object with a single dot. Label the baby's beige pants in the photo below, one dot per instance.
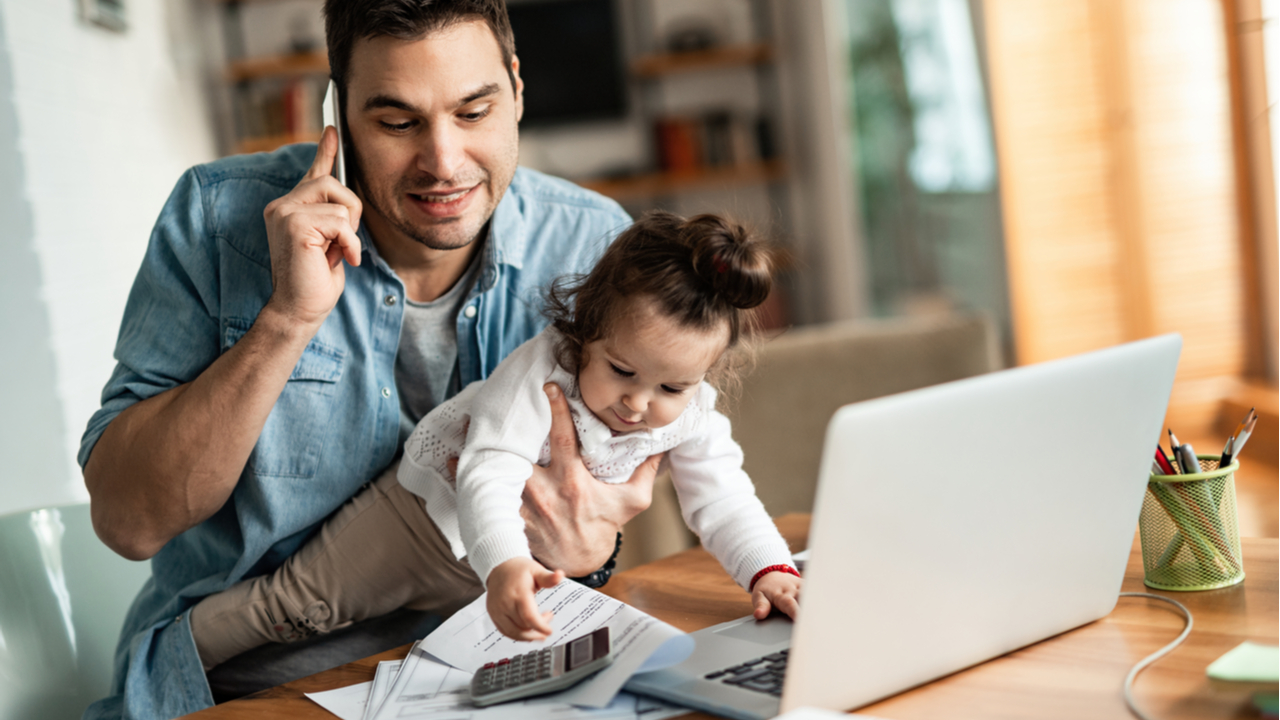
(380, 552)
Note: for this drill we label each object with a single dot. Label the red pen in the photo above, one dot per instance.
(1163, 461)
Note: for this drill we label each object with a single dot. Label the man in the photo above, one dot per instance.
(269, 370)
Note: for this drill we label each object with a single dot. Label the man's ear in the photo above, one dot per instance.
(519, 87)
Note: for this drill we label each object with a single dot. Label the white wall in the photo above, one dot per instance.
(95, 128)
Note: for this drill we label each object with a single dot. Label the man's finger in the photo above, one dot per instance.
(326, 151)
(647, 471)
(563, 436)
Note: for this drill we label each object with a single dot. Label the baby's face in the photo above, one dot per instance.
(644, 375)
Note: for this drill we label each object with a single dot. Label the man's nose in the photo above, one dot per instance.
(442, 153)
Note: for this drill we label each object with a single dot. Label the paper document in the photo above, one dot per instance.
(416, 699)
(419, 679)
(457, 706)
(383, 676)
(641, 643)
(347, 703)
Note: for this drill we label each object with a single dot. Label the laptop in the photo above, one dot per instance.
(951, 524)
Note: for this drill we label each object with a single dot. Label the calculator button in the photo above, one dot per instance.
(749, 663)
(716, 674)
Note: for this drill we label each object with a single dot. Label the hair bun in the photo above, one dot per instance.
(734, 263)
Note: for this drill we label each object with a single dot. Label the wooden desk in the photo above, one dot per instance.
(1074, 675)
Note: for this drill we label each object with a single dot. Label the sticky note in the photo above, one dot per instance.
(1248, 662)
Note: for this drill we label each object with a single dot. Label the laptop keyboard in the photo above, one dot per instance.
(764, 674)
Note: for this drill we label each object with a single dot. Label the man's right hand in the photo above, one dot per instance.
(168, 462)
(572, 519)
(310, 231)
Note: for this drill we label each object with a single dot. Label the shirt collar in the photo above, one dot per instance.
(507, 228)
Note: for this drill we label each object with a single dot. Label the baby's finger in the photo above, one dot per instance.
(548, 579)
(762, 607)
(530, 618)
(788, 604)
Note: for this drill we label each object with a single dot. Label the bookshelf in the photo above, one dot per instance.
(274, 98)
(670, 183)
(278, 66)
(657, 65)
(710, 144)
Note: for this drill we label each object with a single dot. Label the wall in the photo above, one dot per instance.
(95, 128)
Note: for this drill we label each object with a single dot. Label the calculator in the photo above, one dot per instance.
(541, 671)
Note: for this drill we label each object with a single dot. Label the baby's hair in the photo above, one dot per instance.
(700, 272)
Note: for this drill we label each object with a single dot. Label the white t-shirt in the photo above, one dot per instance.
(498, 429)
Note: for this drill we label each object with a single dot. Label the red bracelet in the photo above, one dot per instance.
(772, 568)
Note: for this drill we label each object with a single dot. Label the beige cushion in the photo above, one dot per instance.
(805, 375)
(798, 381)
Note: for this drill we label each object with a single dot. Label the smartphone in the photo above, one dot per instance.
(333, 116)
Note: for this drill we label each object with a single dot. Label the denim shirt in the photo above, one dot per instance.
(336, 424)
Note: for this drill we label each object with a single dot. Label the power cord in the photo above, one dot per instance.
(1144, 662)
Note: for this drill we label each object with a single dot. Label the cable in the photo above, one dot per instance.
(1144, 662)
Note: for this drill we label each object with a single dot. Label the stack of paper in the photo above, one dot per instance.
(434, 679)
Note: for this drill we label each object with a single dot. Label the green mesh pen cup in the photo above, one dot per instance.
(1190, 540)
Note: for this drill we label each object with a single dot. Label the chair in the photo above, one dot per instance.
(63, 597)
(799, 380)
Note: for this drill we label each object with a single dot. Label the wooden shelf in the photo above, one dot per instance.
(648, 66)
(666, 183)
(271, 142)
(278, 66)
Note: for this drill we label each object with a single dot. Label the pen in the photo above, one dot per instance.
(1173, 448)
(1162, 462)
(1187, 458)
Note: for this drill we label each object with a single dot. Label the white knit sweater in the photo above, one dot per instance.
(498, 428)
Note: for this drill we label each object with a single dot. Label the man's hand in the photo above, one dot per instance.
(572, 519)
(310, 231)
(776, 590)
(511, 602)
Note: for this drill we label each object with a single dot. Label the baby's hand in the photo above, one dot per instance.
(511, 603)
(776, 590)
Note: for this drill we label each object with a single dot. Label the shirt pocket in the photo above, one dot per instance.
(294, 436)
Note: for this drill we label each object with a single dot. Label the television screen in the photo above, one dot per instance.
(570, 60)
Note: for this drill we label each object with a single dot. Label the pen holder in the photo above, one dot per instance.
(1190, 540)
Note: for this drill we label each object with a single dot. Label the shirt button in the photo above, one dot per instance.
(386, 392)
(470, 311)
(389, 300)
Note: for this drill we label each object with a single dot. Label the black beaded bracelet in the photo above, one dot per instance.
(600, 577)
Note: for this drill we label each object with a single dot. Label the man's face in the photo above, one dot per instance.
(433, 124)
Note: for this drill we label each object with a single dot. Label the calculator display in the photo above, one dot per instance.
(587, 648)
(580, 652)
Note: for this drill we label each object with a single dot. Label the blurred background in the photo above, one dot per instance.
(1076, 174)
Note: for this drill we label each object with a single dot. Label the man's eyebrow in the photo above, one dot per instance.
(482, 91)
(377, 102)
(386, 101)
